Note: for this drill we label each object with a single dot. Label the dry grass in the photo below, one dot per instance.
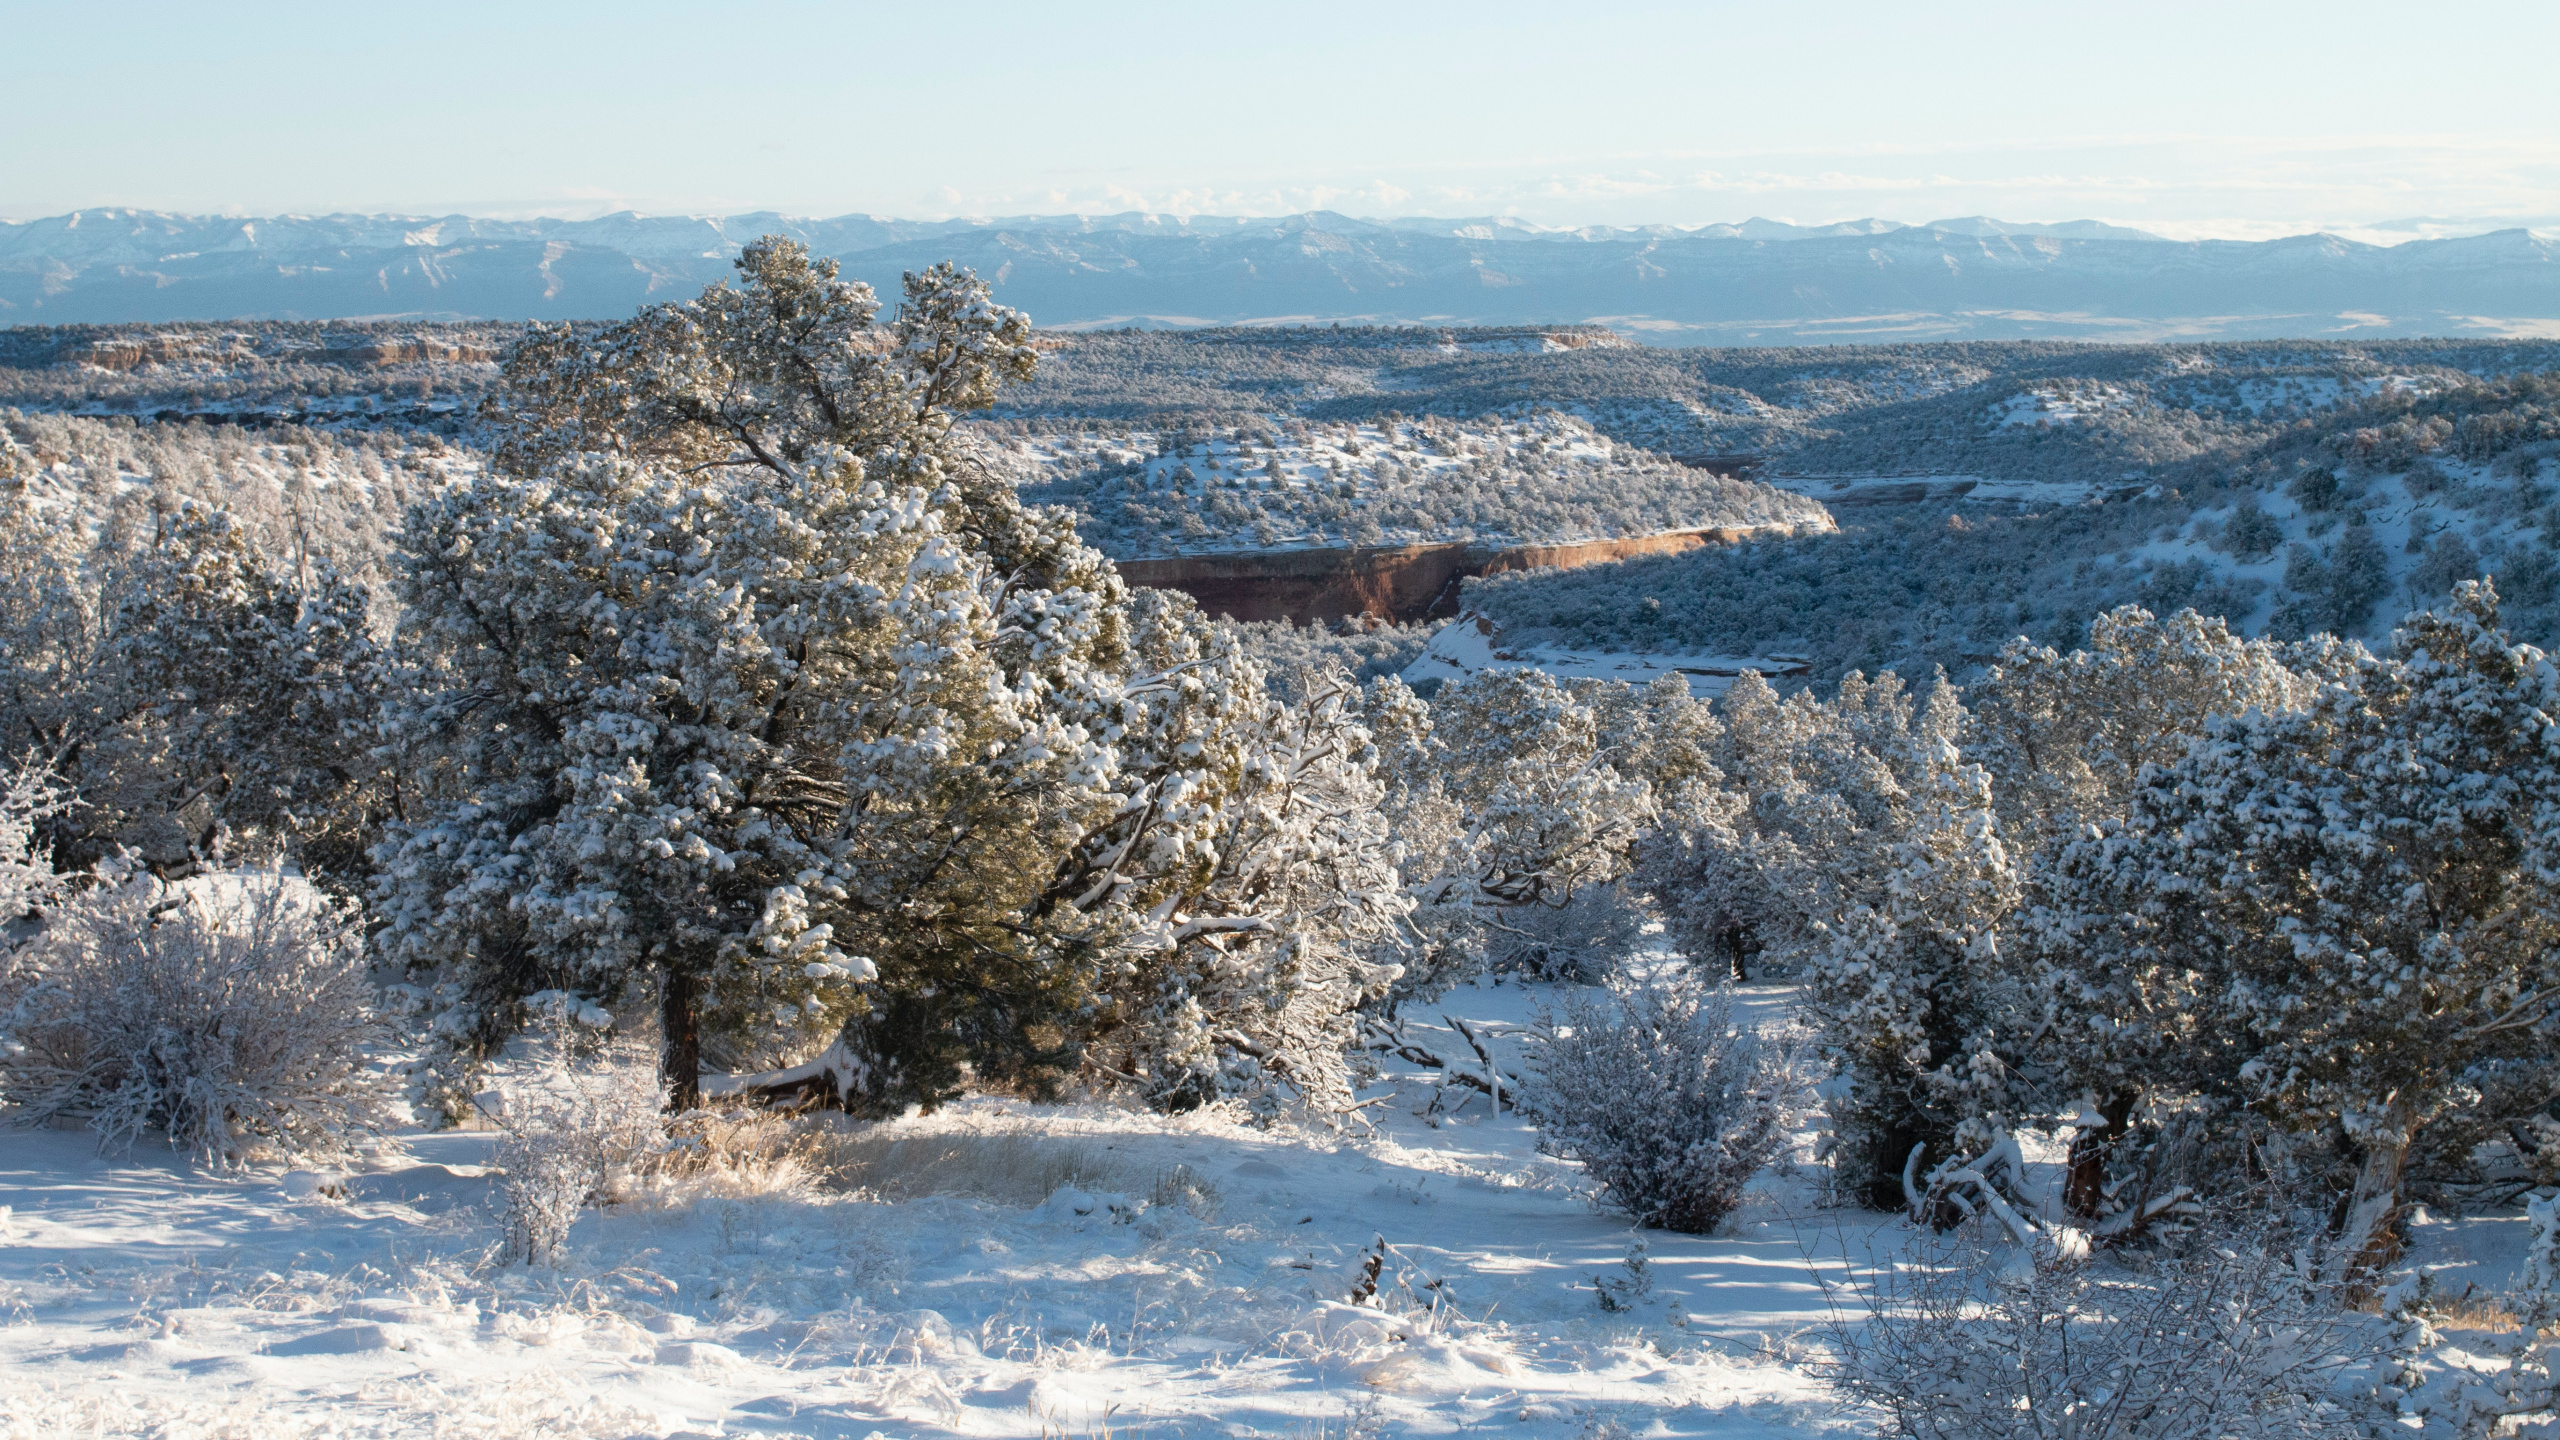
(761, 1154)
(740, 1155)
(2473, 1312)
(1010, 1167)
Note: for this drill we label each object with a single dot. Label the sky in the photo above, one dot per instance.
(2238, 120)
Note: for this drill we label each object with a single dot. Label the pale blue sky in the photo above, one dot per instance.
(2231, 118)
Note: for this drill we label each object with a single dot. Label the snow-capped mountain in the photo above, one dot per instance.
(1760, 282)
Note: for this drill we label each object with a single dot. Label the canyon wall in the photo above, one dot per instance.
(1391, 582)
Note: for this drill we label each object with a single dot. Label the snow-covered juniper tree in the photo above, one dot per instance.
(1926, 1013)
(2339, 918)
(1852, 839)
(1792, 828)
(742, 683)
(2064, 735)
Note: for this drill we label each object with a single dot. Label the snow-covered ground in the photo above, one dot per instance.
(1912, 489)
(1473, 643)
(997, 1269)
(140, 1296)
(1282, 484)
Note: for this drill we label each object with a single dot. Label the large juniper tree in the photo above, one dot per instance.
(743, 683)
(2338, 917)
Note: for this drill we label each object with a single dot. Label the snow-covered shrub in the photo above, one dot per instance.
(226, 1012)
(583, 1111)
(1668, 1104)
(1971, 1341)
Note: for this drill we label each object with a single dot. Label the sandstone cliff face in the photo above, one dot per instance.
(1391, 582)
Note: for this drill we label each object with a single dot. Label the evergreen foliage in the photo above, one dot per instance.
(745, 684)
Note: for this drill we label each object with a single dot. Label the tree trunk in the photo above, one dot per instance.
(2367, 1245)
(680, 1018)
(1729, 935)
(2086, 1182)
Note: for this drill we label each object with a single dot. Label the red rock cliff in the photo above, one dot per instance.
(1392, 582)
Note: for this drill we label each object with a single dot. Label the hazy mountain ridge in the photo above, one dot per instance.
(1761, 282)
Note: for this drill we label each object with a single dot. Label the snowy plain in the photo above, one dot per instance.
(139, 1295)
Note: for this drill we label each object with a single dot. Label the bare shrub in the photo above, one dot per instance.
(578, 1117)
(2225, 1341)
(1667, 1104)
(227, 1012)
(1183, 1188)
(1580, 942)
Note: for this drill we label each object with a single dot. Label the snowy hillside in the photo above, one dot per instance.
(329, 495)
(2337, 512)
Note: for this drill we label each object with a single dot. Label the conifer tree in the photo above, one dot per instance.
(2338, 917)
(745, 684)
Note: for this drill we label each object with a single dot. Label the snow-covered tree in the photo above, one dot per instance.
(1794, 831)
(193, 688)
(745, 685)
(1513, 816)
(1257, 951)
(1926, 1014)
(28, 882)
(2063, 735)
(1545, 809)
(2339, 917)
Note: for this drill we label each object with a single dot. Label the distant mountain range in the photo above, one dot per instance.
(1762, 282)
